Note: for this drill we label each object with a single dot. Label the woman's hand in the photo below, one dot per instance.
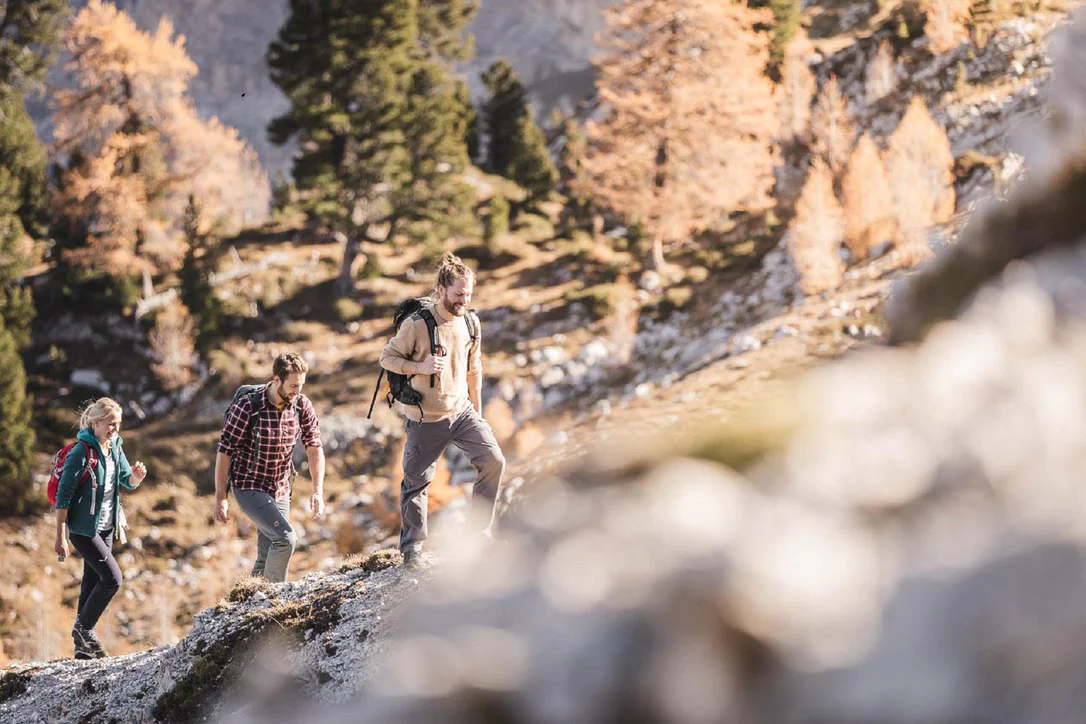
(61, 548)
(139, 472)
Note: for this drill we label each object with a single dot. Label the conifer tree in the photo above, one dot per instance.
(867, 201)
(815, 232)
(17, 493)
(832, 130)
(369, 163)
(506, 103)
(920, 168)
(691, 116)
(531, 166)
(28, 44)
(197, 292)
(144, 148)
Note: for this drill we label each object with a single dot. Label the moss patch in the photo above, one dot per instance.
(13, 685)
(245, 588)
(379, 561)
(218, 666)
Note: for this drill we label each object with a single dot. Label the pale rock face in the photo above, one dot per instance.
(549, 42)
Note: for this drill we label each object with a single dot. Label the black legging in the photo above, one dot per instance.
(101, 575)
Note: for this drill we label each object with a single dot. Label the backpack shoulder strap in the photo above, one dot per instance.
(89, 462)
(431, 327)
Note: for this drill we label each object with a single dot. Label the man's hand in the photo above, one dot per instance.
(431, 365)
(222, 509)
(139, 472)
(61, 547)
(316, 503)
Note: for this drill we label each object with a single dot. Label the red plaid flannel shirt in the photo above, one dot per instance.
(261, 457)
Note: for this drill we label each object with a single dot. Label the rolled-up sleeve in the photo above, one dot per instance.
(307, 421)
(402, 347)
(70, 476)
(475, 359)
(124, 470)
(233, 431)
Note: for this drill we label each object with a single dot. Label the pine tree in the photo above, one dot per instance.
(28, 44)
(506, 104)
(17, 493)
(867, 201)
(433, 192)
(690, 118)
(831, 126)
(469, 120)
(531, 166)
(197, 292)
(368, 154)
(442, 29)
(495, 224)
(787, 15)
(814, 235)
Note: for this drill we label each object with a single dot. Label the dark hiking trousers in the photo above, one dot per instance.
(426, 441)
(101, 575)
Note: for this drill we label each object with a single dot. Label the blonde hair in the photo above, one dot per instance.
(452, 269)
(100, 409)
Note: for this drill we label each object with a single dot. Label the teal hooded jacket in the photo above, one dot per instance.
(83, 501)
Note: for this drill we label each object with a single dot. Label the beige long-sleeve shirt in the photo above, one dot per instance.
(463, 364)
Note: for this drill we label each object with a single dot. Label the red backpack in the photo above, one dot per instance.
(58, 468)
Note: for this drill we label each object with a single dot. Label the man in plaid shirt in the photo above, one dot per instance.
(254, 457)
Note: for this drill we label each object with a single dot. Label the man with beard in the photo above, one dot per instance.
(450, 384)
(255, 459)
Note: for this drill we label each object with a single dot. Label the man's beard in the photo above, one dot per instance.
(286, 396)
(454, 308)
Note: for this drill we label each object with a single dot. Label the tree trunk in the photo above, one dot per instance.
(654, 260)
(345, 282)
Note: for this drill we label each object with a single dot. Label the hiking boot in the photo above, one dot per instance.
(86, 641)
(412, 558)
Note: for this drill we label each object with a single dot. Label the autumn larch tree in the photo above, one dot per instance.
(832, 131)
(867, 201)
(920, 167)
(881, 73)
(690, 116)
(797, 89)
(944, 24)
(816, 231)
(143, 149)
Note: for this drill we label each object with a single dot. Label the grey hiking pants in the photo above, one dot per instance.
(275, 539)
(426, 441)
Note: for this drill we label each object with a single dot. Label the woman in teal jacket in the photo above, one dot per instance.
(88, 514)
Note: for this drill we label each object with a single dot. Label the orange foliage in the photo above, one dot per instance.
(814, 235)
(867, 200)
(144, 147)
(945, 24)
(920, 167)
(797, 90)
(173, 346)
(831, 127)
(881, 73)
(689, 114)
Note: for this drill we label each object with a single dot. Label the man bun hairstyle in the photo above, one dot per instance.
(452, 269)
(289, 363)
